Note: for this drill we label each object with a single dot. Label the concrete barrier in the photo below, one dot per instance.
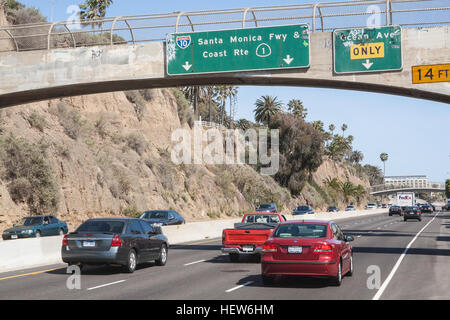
(28, 253)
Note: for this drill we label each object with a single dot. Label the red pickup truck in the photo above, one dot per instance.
(249, 236)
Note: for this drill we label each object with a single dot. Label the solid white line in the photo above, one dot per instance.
(242, 285)
(399, 261)
(188, 264)
(104, 285)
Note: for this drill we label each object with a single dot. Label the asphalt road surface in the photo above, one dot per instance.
(412, 259)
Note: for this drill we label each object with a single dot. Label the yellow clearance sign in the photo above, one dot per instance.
(367, 50)
(430, 73)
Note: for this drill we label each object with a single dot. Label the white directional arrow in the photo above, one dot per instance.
(288, 59)
(368, 64)
(187, 66)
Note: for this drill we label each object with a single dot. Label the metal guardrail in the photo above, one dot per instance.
(136, 29)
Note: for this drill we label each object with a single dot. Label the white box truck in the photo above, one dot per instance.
(405, 199)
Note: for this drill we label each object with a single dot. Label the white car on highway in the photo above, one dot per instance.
(371, 206)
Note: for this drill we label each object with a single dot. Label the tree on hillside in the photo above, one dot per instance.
(295, 106)
(94, 10)
(301, 150)
(356, 157)
(343, 128)
(348, 190)
(338, 148)
(266, 108)
(384, 157)
(374, 174)
(318, 125)
(331, 127)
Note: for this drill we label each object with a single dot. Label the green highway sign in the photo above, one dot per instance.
(247, 49)
(371, 49)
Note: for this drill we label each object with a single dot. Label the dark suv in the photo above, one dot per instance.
(412, 212)
(395, 210)
(267, 207)
(115, 241)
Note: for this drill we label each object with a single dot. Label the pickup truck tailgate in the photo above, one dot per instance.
(237, 236)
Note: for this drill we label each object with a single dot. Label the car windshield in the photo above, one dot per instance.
(262, 218)
(302, 208)
(31, 221)
(102, 226)
(156, 215)
(308, 230)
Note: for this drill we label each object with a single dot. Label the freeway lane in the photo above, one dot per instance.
(199, 270)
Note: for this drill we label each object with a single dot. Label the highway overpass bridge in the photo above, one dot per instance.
(382, 190)
(46, 61)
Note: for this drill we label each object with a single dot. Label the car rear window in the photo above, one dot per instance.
(156, 215)
(262, 218)
(102, 226)
(301, 231)
(302, 208)
(265, 206)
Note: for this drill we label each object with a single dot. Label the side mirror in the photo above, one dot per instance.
(349, 238)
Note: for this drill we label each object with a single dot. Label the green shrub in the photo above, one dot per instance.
(136, 142)
(30, 176)
(131, 212)
(37, 121)
(71, 120)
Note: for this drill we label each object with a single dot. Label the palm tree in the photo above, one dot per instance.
(384, 157)
(295, 106)
(94, 10)
(344, 127)
(266, 108)
(348, 189)
(318, 125)
(356, 157)
(232, 92)
(221, 93)
(331, 127)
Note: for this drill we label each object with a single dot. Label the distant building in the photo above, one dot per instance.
(407, 181)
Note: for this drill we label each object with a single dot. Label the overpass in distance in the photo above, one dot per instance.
(386, 189)
(46, 61)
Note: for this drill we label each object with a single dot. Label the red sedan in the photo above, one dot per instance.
(309, 248)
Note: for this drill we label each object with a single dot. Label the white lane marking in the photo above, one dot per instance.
(188, 264)
(240, 286)
(399, 261)
(105, 285)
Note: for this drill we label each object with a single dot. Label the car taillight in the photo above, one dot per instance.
(223, 236)
(65, 242)
(323, 248)
(267, 248)
(116, 241)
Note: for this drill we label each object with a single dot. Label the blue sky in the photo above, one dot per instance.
(415, 133)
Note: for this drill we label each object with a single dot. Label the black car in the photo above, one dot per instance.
(395, 210)
(412, 212)
(267, 207)
(163, 217)
(115, 241)
(426, 208)
(303, 210)
(332, 209)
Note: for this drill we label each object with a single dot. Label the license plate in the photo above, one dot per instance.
(88, 243)
(14, 236)
(294, 249)
(248, 248)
